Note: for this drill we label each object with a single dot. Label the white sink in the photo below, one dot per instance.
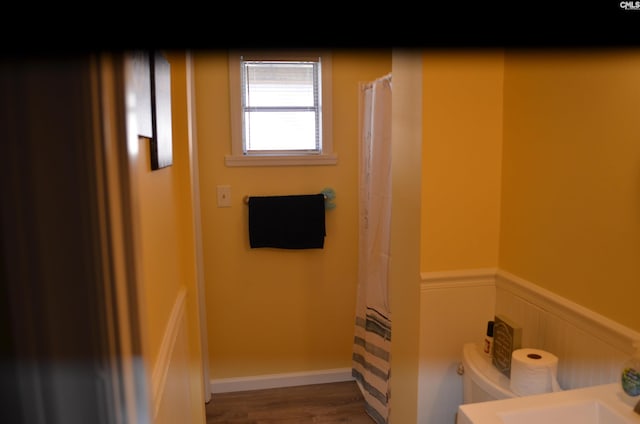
(603, 404)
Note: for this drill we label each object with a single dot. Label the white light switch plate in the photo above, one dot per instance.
(224, 196)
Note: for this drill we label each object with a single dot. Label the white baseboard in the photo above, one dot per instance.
(270, 381)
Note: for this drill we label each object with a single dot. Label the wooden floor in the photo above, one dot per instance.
(319, 403)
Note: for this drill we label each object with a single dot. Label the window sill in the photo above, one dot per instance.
(285, 160)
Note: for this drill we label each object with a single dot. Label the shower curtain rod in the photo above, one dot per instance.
(370, 84)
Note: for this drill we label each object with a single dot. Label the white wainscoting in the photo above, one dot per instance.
(590, 347)
(455, 307)
(170, 377)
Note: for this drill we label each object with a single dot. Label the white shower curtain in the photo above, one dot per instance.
(372, 336)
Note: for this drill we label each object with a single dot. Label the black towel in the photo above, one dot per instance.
(287, 222)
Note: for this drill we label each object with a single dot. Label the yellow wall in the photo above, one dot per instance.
(461, 157)
(269, 310)
(163, 198)
(160, 245)
(571, 177)
(531, 163)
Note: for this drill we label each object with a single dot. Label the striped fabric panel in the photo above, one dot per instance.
(371, 355)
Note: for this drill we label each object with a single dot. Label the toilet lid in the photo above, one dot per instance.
(484, 373)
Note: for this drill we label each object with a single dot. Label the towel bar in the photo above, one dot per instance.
(246, 198)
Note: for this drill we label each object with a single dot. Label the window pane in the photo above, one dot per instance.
(280, 131)
(279, 84)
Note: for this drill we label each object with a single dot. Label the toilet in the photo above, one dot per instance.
(481, 381)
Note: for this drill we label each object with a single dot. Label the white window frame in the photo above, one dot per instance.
(237, 156)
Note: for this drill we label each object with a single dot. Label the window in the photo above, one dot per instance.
(280, 109)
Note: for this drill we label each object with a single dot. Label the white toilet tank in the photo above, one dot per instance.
(481, 381)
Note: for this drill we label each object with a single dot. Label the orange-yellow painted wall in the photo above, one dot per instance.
(570, 217)
(531, 163)
(269, 310)
(164, 203)
(461, 159)
(160, 247)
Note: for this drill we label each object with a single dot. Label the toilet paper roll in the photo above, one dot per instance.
(533, 371)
